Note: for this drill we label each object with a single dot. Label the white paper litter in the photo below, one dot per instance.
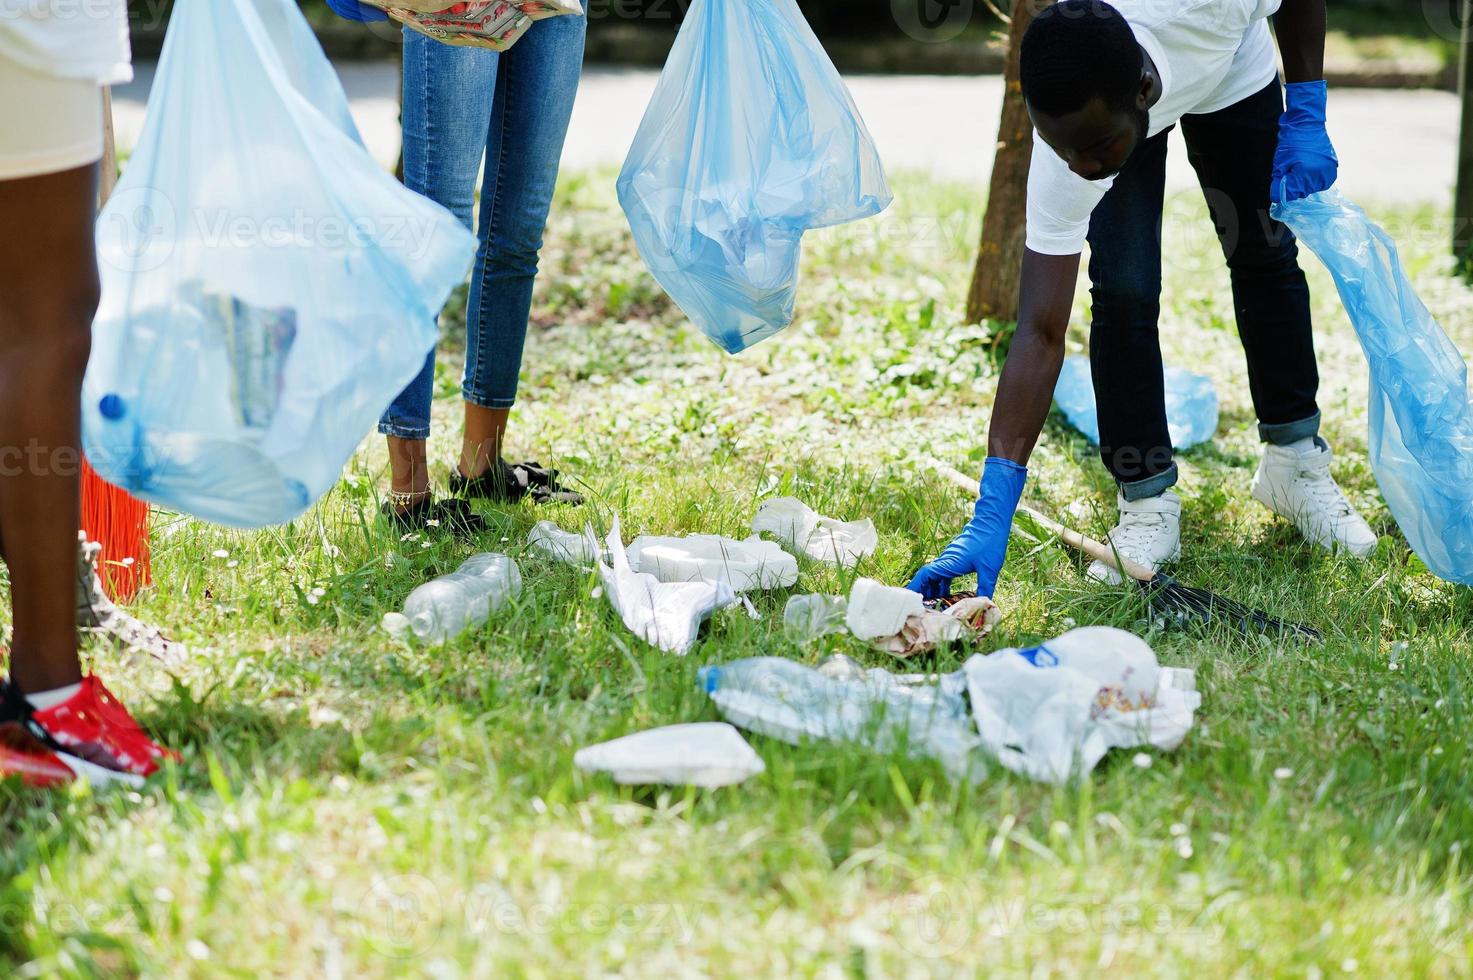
(876, 610)
(1093, 689)
(744, 565)
(824, 538)
(569, 547)
(665, 614)
(707, 754)
(809, 617)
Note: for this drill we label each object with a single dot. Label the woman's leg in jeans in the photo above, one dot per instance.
(535, 88)
(48, 296)
(1125, 305)
(448, 93)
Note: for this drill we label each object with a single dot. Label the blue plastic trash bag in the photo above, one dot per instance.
(1421, 424)
(1191, 403)
(267, 289)
(750, 140)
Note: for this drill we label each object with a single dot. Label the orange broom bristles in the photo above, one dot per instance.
(119, 522)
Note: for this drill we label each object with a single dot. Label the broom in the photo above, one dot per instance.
(1169, 599)
(110, 516)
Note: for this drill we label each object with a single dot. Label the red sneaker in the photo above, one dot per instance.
(92, 734)
(23, 757)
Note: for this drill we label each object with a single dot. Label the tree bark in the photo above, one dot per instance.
(994, 290)
(1462, 242)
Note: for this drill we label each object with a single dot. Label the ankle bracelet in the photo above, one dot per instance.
(405, 498)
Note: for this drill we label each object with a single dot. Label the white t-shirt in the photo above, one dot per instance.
(1209, 54)
(76, 39)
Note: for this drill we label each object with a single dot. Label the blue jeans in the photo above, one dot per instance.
(1232, 151)
(513, 107)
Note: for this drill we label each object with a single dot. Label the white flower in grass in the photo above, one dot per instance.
(433, 522)
(313, 600)
(1184, 848)
(1282, 773)
(1178, 830)
(319, 592)
(424, 545)
(1141, 760)
(220, 553)
(232, 563)
(197, 950)
(1350, 964)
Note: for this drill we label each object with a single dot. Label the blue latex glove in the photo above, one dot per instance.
(353, 10)
(983, 544)
(1305, 162)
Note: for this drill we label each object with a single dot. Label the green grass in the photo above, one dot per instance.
(350, 806)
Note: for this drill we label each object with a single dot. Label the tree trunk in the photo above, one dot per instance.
(994, 291)
(1463, 197)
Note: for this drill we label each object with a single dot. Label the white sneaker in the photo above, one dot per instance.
(1149, 533)
(1299, 486)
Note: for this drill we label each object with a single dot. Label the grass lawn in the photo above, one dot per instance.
(351, 806)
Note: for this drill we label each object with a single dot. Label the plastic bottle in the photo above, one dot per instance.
(808, 617)
(445, 607)
(786, 700)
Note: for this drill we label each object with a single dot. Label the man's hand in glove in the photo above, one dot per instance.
(983, 544)
(1305, 162)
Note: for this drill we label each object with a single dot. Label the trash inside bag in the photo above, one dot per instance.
(1421, 424)
(824, 538)
(267, 289)
(1191, 403)
(1053, 711)
(750, 140)
(665, 614)
(706, 754)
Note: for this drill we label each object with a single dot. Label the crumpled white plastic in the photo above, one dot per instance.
(824, 538)
(1092, 689)
(665, 614)
(877, 610)
(707, 754)
(569, 547)
(744, 565)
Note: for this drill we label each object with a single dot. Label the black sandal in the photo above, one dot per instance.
(508, 483)
(445, 515)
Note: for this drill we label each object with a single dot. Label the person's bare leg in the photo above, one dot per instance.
(481, 444)
(408, 471)
(48, 297)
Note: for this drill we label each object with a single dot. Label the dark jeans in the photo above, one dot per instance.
(1232, 151)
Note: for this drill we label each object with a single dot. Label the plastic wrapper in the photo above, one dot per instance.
(267, 289)
(750, 140)
(824, 538)
(1421, 424)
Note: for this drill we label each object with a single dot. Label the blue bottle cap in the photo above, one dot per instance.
(112, 406)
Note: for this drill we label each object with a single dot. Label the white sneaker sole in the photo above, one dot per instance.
(94, 775)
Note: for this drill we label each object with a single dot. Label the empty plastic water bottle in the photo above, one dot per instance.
(808, 617)
(445, 607)
(785, 700)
